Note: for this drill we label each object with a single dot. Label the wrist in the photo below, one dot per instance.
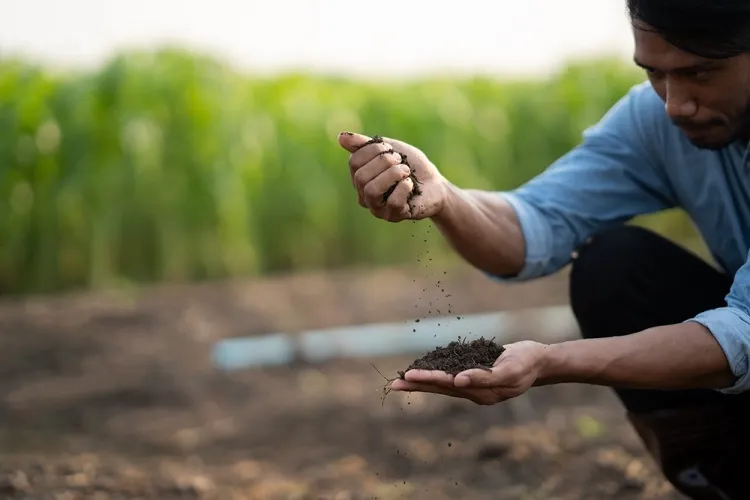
(553, 365)
(449, 196)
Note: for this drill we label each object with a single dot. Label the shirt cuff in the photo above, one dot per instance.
(730, 327)
(537, 239)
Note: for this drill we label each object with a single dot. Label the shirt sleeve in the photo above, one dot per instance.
(730, 326)
(615, 174)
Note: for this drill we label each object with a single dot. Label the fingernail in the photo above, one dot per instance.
(461, 381)
(346, 133)
(405, 169)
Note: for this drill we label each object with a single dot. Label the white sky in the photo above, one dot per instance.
(388, 37)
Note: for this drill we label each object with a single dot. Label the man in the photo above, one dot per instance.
(669, 332)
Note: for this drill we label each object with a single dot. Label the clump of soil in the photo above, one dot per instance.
(458, 356)
(453, 358)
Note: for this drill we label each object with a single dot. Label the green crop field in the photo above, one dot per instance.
(167, 165)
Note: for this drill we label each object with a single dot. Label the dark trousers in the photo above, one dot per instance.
(627, 280)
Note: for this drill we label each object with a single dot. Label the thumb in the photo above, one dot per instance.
(474, 378)
(351, 141)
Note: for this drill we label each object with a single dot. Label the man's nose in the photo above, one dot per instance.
(679, 104)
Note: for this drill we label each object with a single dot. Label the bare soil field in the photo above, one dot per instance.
(113, 396)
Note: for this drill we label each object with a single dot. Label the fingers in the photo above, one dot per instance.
(396, 208)
(379, 174)
(378, 177)
(434, 377)
(367, 173)
(399, 198)
(375, 190)
(404, 386)
(367, 154)
(477, 378)
(478, 396)
(502, 375)
(361, 176)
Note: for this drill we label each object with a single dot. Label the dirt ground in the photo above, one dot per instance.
(113, 396)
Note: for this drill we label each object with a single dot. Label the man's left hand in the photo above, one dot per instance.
(513, 373)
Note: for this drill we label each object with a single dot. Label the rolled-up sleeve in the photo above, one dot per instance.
(537, 234)
(613, 175)
(730, 326)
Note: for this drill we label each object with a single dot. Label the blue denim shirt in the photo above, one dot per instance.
(635, 161)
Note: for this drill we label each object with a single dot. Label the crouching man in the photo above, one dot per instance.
(668, 332)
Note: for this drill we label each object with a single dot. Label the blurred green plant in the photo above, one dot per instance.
(167, 165)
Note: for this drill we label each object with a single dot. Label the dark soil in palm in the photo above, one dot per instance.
(458, 356)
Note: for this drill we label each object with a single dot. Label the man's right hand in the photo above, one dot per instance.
(386, 186)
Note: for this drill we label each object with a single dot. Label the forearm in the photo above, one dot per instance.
(682, 356)
(483, 229)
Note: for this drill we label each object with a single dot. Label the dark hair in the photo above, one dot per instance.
(714, 29)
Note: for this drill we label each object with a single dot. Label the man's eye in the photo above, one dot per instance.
(700, 75)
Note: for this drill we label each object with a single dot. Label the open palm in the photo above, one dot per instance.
(512, 374)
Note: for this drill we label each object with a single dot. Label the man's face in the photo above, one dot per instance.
(708, 99)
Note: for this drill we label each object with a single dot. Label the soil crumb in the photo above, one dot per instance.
(458, 356)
